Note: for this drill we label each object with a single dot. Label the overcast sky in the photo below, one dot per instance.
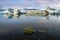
(29, 3)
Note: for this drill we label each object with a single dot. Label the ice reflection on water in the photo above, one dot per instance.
(16, 26)
(23, 19)
(33, 19)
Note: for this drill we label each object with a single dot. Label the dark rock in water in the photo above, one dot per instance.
(47, 13)
(10, 17)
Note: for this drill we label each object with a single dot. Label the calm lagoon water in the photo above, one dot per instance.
(16, 26)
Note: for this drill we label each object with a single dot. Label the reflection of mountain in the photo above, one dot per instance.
(37, 13)
(31, 12)
(10, 13)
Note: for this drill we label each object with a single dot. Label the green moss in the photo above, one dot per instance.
(28, 31)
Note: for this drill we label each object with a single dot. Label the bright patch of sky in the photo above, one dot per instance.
(29, 3)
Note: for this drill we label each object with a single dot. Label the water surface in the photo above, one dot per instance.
(16, 25)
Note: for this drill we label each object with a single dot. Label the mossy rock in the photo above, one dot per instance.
(28, 31)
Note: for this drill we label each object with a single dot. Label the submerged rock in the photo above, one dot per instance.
(28, 31)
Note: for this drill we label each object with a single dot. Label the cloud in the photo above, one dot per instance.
(26, 0)
(29, 3)
(47, 1)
